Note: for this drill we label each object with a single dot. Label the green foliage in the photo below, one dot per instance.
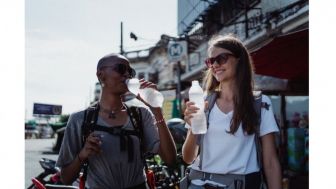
(64, 118)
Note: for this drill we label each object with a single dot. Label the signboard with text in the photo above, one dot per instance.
(177, 51)
(47, 109)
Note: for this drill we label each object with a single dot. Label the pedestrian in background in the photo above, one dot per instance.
(109, 165)
(227, 152)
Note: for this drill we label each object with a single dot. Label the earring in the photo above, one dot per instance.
(102, 84)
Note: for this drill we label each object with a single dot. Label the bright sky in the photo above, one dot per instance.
(65, 39)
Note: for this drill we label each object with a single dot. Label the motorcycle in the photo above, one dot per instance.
(166, 177)
(49, 178)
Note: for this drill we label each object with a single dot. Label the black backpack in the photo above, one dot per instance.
(90, 124)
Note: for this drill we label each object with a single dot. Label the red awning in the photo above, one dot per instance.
(285, 57)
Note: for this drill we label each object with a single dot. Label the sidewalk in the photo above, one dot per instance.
(35, 149)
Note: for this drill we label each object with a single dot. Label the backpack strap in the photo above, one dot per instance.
(90, 119)
(257, 108)
(258, 105)
(117, 130)
(211, 98)
(136, 119)
(126, 141)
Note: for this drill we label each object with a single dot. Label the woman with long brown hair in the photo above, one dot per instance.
(228, 152)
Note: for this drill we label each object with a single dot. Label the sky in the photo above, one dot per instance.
(65, 39)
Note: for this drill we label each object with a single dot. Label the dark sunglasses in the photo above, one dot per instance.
(122, 69)
(220, 59)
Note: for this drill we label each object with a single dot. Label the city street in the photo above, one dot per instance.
(250, 60)
(35, 149)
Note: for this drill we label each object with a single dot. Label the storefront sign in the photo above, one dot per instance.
(47, 109)
(177, 50)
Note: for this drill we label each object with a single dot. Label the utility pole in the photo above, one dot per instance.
(247, 8)
(121, 38)
(179, 98)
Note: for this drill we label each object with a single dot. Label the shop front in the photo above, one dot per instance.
(282, 69)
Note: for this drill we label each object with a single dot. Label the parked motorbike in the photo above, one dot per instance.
(49, 178)
(167, 177)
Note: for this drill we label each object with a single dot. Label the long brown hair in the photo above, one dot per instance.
(243, 99)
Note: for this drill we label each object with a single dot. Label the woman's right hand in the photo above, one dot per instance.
(91, 147)
(190, 109)
(190, 148)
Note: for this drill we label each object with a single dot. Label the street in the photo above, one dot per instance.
(35, 149)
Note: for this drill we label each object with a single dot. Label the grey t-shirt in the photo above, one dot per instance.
(111, 168)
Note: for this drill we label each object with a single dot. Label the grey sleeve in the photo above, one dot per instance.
(268, 123)
(151, 135)
(71, 144)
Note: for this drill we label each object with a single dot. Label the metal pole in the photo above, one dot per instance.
(121, 38)
(179, 87)
(246, 19)
(284, 126)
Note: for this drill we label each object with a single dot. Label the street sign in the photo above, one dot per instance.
(47, 109)
(177, 50)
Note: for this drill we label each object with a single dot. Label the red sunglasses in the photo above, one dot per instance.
(220, 59)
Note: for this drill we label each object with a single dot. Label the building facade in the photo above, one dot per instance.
(255, 22)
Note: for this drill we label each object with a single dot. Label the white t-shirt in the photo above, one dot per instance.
(236, 154)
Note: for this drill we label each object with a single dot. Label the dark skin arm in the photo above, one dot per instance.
(270, 161)
(70, 172)
(167, 149)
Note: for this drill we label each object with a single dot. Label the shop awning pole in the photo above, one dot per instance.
(283, 131)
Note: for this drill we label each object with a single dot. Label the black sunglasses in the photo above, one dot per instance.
(220, 59)
(122, 69)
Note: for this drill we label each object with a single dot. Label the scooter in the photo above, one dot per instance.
(51, 171)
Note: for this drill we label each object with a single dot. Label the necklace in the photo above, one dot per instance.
(112, 113)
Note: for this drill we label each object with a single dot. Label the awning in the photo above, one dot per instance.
(268, 83)
(285, 57)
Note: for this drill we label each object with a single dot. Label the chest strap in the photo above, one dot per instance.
(126, 141)
(199, 138)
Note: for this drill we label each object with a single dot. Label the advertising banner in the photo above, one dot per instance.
(47, 109)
